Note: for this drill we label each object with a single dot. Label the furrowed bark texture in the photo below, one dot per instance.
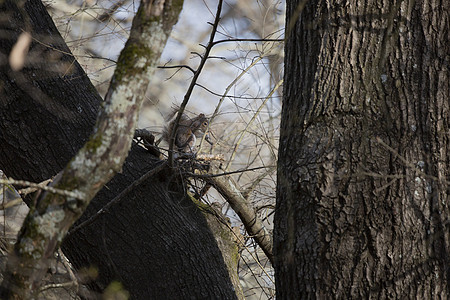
(362, 198)
(101, 157)
(227, 242)
(151, 241)
(155, 241)
(48, 85)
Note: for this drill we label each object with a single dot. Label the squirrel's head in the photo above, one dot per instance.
(204, 122)
(200, 123)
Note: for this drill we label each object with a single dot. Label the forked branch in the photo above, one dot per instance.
(197, 72)
(100, 158)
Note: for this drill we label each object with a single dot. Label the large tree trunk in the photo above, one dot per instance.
(44, 115)
(364, 169)
(154, 241)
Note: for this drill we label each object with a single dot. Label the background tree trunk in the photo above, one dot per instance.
(154, 241)
(44, 115)
(362, 200)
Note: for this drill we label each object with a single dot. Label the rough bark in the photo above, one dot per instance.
(184, 264)
(363, 174)
(154, 240)
(35, 148)
(101, 156)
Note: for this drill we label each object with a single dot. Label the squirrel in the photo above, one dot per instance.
(188, 131)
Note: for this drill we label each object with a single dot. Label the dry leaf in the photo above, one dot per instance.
(20, 51)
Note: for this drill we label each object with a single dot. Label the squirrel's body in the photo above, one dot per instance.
(187, 132)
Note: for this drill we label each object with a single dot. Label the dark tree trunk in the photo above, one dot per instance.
(154, 241)
(47, 109)
(363, 175)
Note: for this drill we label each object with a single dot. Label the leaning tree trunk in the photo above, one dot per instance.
(45, 117)
(363, 175)
(153, 240)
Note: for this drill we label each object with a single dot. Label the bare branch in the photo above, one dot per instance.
(29, 190)
(194, 80)
(231, 96)
(100, 158)
(227, 173)
(216, 111)
(230, 190)
(246, 193)
(177, 67)
(210, 157)
(119, 197)
(248, 40)
(107, 14)
(250, 122)
(43, 186)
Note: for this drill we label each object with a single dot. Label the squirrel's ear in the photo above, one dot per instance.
(201, 115)
(171, 114)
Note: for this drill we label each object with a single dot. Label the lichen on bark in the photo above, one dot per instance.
(100, 158)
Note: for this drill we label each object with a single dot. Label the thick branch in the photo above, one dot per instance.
(101, 157)
(230, 190)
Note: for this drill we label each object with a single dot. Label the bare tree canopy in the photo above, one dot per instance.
(166, 235)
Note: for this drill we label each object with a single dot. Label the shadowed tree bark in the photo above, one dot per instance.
(363, 172)
(35, 148)
(154, 241)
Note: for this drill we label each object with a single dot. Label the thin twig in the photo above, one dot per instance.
(66, 264)
(210, 157)
(40, 186)
(177, 67)
(11, 203)
(56, 285)
(216, 111)
(231, 192)
(232, 96)
(236, 146)
(226, 173)
(194, 80)
(246, 193)
(108, 14)
(119, 197)
(29, 190)
(248, 40)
